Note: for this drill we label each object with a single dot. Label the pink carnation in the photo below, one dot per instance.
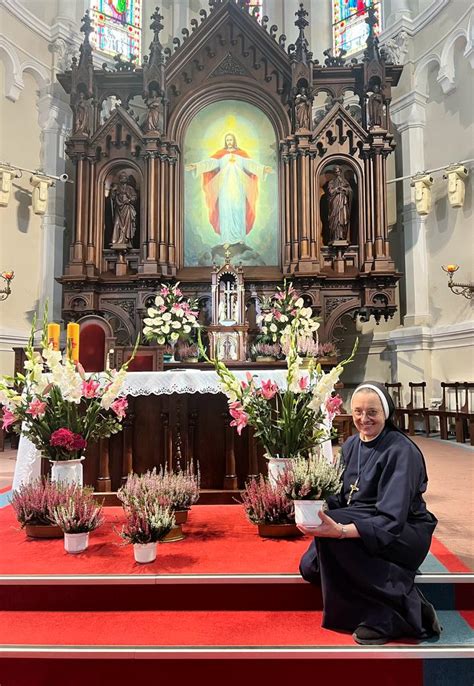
(36, 408)
(8, 419)
(65, 438)
(119, 406)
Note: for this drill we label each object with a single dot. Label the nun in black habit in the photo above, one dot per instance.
(375, 533)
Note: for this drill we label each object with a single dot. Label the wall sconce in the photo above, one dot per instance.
(7, 173)
(465, 289)
(422, 183)
(6, 290)
(456, 175)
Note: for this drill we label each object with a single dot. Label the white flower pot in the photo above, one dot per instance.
(144, 552)
(68, 471)
(306, 512)
(76, 543)
(276, 465)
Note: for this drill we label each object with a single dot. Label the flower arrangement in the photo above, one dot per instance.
(327, 350)
(36, 501)
(172, 318)
(188, 351)
(147, 523)
(279, 312)
(80, 513)
(313, 478)
(307, 346)
(175, 490)
(60, 408)
(289, 421)
(266, 504)
(272, 350)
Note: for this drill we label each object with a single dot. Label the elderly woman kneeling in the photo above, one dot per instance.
(376, 532)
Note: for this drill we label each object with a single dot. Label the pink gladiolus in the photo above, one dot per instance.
(303, 383)
(268, 389)
(244, 385)
(8, 418)
(90, 388)
(36, 408)
(119, 406)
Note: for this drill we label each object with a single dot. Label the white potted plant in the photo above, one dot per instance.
(77, 517)
(308, 482)
(147, 524)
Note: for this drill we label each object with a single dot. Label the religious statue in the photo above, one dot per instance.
(228, 304)
(230, 182)
(340, 201)
(151, 123)
(303, 110)
(124, 199)
(375, 106)
(81, 115)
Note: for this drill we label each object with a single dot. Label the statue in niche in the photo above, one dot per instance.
(124, 199)
(375, 107)
(151, 123)
(303, 109)
(339, 202)
(81, 115)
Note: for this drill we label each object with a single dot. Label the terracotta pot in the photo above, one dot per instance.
(176, 534)
(278, 530)
(43, 531)
(181, 516)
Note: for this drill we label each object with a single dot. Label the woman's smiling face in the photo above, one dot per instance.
(368, 414)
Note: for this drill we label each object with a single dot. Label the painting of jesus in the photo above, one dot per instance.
(228, 190)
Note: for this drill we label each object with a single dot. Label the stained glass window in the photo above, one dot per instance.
(117, 27)
(349, 27)
(256, 5)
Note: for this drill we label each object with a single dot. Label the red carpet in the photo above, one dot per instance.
(219, 541)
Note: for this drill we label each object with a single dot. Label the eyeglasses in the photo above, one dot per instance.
(371, 413)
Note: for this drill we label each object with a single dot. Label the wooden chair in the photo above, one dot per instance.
(395, 392)
(416, 410)
(465, 419)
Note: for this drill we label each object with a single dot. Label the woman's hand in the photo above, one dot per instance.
(331, 529)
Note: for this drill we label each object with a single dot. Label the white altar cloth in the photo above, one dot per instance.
(28, 463)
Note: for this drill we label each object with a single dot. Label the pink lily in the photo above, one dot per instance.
(90, 388)
(8, 418)
(303, 382)
(240, 420)
(119, 406)
(268, 389)
(36, 408)
(165, 290)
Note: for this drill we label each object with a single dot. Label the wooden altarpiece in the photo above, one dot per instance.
(129, 226)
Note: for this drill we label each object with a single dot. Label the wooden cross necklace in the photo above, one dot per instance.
(353, 488)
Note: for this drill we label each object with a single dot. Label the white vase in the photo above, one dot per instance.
(68, 471)
(276, 466)
(306, 512)
(144, 552)
(76, 543)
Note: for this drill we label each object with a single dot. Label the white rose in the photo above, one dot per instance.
(152, 312)
(159, 301)
(307, 312)
(176, 325)
(179, 312)
(259, 318)
(273, 327)
(166, 316)
(283, 318)
(268, 317)
(186, 328)
(174, 336)
(265, 329)
(149, 321)
(147, 330)
(166, 328)
(161, 340)
(299, 303)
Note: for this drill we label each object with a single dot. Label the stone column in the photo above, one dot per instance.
(408, 114)
(55, 121)
(398, 9)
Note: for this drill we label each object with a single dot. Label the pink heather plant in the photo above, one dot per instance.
(80, 513)
(35, 502)
(267, 504)
(147, 523)
(176, 490)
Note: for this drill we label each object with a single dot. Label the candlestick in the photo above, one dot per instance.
(54, 331)
(73, 341)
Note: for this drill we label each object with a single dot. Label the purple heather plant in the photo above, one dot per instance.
(35, 502)
(80, 513)
(267, 504)
(147, 523)
(176, 490)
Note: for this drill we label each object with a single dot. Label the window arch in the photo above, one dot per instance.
(117, 27)
(349, 28)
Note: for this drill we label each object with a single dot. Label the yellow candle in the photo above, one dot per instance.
(54, 331)
(72, 342)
